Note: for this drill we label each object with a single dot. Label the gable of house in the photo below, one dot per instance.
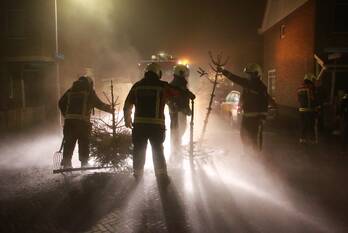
(277, 10)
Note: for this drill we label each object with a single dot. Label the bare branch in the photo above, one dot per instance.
(218, 61)
(201, 72)
(107, 98)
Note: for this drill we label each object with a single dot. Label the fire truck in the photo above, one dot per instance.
(167, 63)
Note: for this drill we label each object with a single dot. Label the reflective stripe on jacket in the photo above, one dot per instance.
(306, 97)
(254, 114)
(306, 109)
(77, 106)
(79, 101)
(148, 101)
(149, 96)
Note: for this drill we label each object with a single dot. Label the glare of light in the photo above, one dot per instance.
(267, 194)
(87, 3)
(96, 9)
(166, 144)
(187, 176)
(185, 140)
(238, 181)
(184, 62)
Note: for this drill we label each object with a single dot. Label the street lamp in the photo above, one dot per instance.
(56, 56)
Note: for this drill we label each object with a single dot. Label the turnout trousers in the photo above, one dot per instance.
(308, 126)
(76, 131)
(178, 123)
(251, 132)
(141, 134)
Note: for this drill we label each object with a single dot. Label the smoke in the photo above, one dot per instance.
(93, 36)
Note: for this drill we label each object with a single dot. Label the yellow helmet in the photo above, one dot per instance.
(181, 71)
(253, 68)
(310, 77)
(154, 68)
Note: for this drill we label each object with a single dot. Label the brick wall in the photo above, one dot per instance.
(292, 55)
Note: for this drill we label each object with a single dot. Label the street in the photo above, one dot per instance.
(241, 108)
(288, 188)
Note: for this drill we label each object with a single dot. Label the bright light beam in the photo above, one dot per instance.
(232, 179)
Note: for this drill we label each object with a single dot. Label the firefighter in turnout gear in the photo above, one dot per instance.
(306, 95)
(76, 106)
(179, 108)
(344, 121)
(149, 96)
(254, 104)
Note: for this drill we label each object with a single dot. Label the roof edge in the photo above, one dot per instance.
(267, 25)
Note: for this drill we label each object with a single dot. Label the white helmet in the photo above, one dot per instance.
(253, 68)
(154, 68)
(181, 71)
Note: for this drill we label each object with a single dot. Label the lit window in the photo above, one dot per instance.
(282, 31)
(271, 82)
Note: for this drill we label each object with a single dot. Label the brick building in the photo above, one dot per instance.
(302, 36)
(28, 80)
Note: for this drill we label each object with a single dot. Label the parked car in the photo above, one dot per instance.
(231, 110)
(230, 107)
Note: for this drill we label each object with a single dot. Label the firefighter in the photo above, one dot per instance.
(179, 107)
(254, 104)
(76, 106)
(344, 121)
(149, 96)
(307, 100)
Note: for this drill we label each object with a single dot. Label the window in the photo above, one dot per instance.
(11, 88)
(341, 16)
(33, 87)
(16, 25)
(271, 83)
(282, 31)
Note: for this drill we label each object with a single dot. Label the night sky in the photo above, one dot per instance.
(123, 32)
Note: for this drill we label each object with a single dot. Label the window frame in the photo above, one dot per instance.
(271, 82)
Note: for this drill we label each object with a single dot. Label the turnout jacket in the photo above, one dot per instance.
(180, 103)
(344, 107)
(149, 96)
(306, 97)
(78, 101)
(254, 97)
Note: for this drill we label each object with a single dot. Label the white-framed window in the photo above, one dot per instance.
(271, 82)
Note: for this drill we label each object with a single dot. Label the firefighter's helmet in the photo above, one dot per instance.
(181, 71)
(154, 68)
(310, 77)
(253, 68)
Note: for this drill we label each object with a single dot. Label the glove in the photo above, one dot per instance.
(128, 122)
(191, 95)
(187, 111)
(219, 69)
